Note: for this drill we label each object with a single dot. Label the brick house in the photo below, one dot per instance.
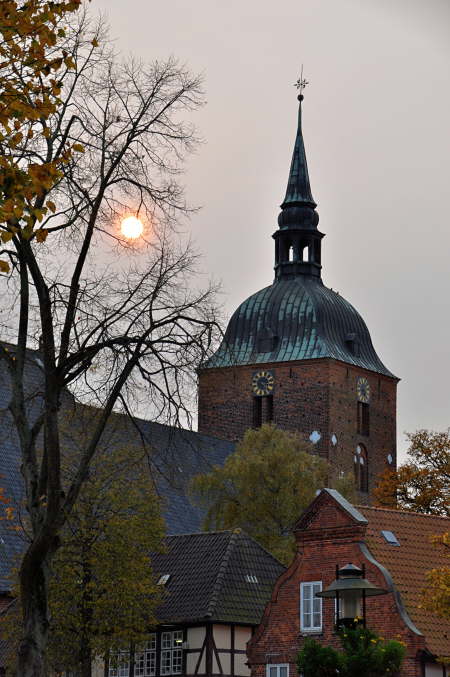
(395, 548)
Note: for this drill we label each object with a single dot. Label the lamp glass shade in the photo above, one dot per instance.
(350, 604)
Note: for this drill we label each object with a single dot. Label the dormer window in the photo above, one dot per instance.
(266, 342)
(390, 538)
(162, 580)
(251, 578)
(352, 343)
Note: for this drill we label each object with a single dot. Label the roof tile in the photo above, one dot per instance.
(409, 563)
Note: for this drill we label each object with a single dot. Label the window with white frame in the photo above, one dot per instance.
(310, 607)
(119, 664)
(145, 658)
(281, 670)
(171, 652)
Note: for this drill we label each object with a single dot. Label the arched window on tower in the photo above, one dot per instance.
(317, 251)
(257, 412)
(305, 253)
(361, 468)
(363, 418)
(291, 254)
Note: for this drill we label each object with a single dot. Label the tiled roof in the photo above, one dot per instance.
(174, 456)
(208, 578)
(409, 562)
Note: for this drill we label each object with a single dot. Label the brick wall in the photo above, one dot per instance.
(330, 538)
(314, 395)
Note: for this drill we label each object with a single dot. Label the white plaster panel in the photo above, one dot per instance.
(240, 668)
(433, 670)
(196, 637)
(222, 636)
(225, 661)
(191, 662)
(241, 637)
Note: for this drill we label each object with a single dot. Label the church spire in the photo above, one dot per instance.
(298, 189)
(298, 241)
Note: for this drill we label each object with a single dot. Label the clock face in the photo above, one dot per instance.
(363, 390)
(263, 383)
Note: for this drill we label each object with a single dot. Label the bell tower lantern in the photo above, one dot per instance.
(298, 240)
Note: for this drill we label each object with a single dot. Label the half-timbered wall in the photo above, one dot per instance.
(196, 653)
(211, 650)
(217, 650)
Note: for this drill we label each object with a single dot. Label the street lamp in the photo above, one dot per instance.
(350, 590)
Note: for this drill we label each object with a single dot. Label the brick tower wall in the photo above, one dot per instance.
(314, 395)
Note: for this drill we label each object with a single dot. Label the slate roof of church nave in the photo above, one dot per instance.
(176, 456)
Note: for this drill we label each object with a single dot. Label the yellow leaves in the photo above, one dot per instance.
(41, 234)
(38, 213)
(94, 42)
(4, 266)
(7, 235)
(78, 147)
(56, 87)
(51, 205)
(30, 35)
(436, 596)
(15, 140)
(69, 62)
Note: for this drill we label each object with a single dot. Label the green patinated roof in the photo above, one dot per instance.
(296, 319)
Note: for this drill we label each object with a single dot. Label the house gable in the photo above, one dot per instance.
(330, 516)
(331, 532)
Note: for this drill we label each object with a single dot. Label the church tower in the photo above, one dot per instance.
(299, 355)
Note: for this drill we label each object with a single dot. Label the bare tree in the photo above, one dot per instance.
(111, 317)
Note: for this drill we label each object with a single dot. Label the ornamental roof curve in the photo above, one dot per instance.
(297, 319)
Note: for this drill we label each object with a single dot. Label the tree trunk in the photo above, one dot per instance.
(86, 663)
(86, 614)
(33, 590)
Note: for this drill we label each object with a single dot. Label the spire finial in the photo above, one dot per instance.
(297, 241)
(300, 85)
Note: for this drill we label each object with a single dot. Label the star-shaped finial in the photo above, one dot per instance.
(301, 83)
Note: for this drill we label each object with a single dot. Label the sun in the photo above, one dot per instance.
(131, 227)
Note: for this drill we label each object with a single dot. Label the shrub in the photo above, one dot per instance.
(315, 660)
(364, 653)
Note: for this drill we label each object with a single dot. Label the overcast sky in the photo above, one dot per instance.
(376, 125)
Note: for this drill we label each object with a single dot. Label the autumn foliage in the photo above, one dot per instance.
(422, 484)
(32, 59)
(436, 597)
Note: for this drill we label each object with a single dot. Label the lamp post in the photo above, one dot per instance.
(350, 590)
